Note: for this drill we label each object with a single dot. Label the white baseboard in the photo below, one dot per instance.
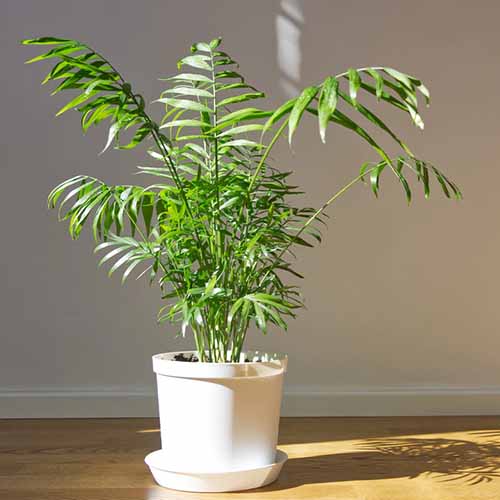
(75, 402)
(397, 401)
(112, 401)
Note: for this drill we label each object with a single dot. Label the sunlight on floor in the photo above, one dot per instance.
(440, 465)
(407, 463)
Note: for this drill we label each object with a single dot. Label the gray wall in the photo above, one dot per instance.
(401, 300)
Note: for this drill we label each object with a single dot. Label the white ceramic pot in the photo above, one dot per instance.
(218, 417)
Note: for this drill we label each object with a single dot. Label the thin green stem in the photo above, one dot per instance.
(313, 217)
(266, 154)
(257, 171)
(216, 163)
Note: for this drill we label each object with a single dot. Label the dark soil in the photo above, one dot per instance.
(190, 358)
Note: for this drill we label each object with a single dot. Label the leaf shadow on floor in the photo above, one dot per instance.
(442, 459)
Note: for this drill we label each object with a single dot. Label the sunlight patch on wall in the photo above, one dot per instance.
(289, 24)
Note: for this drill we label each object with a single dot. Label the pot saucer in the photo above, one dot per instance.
(234, 480)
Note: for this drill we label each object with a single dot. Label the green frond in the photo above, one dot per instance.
(104, 93)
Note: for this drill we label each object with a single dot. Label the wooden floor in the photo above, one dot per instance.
(431, 458)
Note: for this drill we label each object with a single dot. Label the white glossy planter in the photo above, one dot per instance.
(219, 417)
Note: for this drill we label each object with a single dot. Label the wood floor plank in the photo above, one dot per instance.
(400, 458)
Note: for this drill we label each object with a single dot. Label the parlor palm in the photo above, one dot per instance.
(216, 227)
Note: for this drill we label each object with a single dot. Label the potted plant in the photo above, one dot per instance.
(215, 231)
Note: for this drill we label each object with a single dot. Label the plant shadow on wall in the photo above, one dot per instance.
(441, 459)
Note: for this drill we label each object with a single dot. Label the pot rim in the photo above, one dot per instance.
(269, 364)
(272, 356)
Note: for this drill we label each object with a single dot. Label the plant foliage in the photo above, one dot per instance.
(217, 226)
